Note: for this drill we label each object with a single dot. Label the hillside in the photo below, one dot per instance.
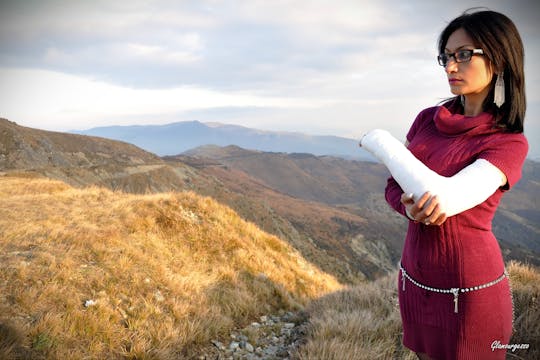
(90, 273)
(517, 221)
(357, 188)
(82, 160)
(351, 245)
(339, 242)
(22, 147)
(324, 179)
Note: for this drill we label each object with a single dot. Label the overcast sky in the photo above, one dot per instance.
(333, 67)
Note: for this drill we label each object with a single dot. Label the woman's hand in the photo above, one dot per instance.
(426, 210)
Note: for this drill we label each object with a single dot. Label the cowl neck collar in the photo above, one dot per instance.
(449, 120)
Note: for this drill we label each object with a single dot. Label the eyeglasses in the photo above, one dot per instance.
(459, 56)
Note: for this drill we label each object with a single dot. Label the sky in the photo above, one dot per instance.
(335, 67)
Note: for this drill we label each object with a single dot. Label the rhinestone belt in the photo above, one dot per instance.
(453, 291)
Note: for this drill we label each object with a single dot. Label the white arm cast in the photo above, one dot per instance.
(466, 189)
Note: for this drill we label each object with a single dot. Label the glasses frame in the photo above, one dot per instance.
(471, 52)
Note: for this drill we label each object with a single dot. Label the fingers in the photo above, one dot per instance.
(416, 208)
(423, 200)
(432, 216)
(440, 220)
(429, 208)
(436, 217)
(426, 210)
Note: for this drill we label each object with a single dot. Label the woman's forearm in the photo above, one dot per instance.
(468, 188)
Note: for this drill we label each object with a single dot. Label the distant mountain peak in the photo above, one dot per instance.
(214, 124)
(179, 137)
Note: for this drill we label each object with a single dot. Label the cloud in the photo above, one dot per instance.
(216, 44)
(250, 45)
(75, 101)
(186, 50)
(304, 64)
(98, 19)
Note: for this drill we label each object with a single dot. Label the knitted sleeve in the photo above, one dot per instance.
(466, 189)
(507, 152)
(392, 194)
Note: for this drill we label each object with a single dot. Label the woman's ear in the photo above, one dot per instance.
(492, 71)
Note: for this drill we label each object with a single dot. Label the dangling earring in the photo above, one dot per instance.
(498, 96)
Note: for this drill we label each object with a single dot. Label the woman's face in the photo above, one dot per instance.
(471, 78)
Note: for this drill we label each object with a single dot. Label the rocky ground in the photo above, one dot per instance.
(272, 337)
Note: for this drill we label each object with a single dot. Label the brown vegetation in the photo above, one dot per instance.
(349, 244)
(165, 273)
(357, 188)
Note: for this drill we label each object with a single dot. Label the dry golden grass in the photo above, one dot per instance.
(168, 272)
(363, 322)
(525, 281)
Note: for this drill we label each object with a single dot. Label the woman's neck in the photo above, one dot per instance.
(472, 108)
(473, 104)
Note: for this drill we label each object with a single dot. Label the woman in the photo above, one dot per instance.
(454, 294)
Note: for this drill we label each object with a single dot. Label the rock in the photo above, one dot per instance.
(89, 303)
(219, 345)
(282, 353)
(271, 350)
(274, 337)
(158, 296)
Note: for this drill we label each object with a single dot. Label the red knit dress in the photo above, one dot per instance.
(462, 252)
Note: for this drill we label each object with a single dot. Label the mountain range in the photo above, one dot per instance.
(176, 138)
(329, 208)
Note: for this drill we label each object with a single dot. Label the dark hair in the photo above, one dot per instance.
(497, 35)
